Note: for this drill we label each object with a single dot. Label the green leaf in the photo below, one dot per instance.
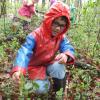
(35, 85)
(60, 92)
(28, 86)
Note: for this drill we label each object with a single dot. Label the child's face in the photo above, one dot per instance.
(58, 25)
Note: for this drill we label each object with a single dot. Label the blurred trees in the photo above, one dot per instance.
(3, 7)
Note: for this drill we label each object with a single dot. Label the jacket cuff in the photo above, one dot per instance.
(16, 69)
(71, 58)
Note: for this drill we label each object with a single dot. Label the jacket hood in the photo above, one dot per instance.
(56, 10)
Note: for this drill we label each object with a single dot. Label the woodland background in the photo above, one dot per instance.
(83, 82)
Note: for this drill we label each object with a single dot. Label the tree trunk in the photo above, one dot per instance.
(43, 3)
(68, 2)
(3, 7)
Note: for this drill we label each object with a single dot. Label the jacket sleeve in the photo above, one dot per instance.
(23, 55)
(67, 48)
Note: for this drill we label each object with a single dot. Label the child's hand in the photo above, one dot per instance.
(62, 58)
(16, 77)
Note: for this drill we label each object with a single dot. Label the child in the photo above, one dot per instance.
(38, 55)
(27, 9)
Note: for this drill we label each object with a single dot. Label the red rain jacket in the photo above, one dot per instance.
(46, 47)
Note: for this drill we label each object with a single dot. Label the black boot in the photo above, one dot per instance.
(59, 83)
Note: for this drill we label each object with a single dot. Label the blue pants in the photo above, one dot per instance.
(56, 71)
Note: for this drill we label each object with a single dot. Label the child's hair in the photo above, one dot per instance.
(64, 18)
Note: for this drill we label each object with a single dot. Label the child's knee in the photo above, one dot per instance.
(56, 70)
(44, 86)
